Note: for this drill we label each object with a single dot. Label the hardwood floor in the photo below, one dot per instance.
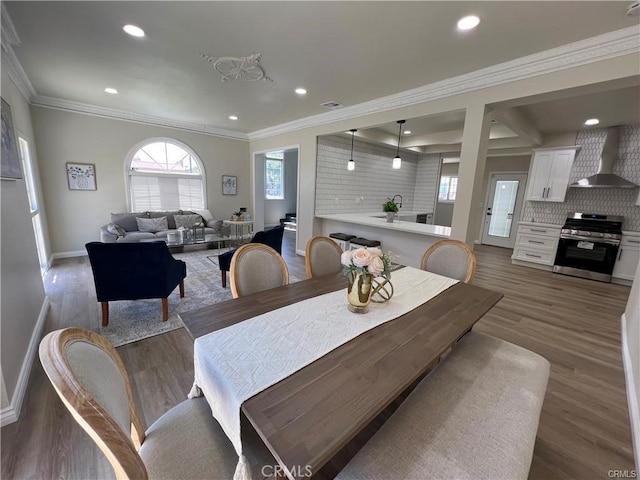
(575, 323)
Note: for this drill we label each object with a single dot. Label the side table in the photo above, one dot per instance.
(239, 229)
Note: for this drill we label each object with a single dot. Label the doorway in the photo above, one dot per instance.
(275, 188)
(503, 206)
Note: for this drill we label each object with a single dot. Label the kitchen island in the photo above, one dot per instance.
(406, 240)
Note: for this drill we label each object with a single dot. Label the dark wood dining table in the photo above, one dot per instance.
(308, 417)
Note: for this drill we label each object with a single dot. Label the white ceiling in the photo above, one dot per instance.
(350, 52)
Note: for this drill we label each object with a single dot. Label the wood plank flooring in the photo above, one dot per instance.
(575, 323)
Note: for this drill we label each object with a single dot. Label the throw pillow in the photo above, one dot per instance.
(187, 221)
(116, 230)
(128, 220)
(205, 214)
(152, 225)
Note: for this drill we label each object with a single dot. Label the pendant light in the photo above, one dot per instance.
(351, 165)
(397, 161)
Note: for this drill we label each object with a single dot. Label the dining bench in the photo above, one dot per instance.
(474, 416)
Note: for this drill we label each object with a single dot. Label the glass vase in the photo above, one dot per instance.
(359, 292)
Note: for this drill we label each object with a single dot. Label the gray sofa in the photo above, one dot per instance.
(124, 226)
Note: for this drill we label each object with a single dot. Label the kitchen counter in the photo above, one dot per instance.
(378, 220)
(538, 224)
(406, 241)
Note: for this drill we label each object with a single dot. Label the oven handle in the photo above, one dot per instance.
(608, 241)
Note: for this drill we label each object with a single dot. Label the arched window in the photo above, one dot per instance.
(165, 174)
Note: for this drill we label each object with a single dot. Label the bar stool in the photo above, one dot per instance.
(360, 242)
(342, 239)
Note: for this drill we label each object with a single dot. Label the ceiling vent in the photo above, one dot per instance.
(634, 9)
(332, 105)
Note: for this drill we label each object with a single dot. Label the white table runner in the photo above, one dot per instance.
(235, 363)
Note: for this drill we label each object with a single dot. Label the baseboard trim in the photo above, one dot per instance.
(632, 400)
(71, 254)
(11, 413)
(302, 253)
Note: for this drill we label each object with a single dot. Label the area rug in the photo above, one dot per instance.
(130, 321)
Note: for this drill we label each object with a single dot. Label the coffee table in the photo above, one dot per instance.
(178, 246)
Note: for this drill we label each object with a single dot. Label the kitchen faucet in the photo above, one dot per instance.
(399, 204)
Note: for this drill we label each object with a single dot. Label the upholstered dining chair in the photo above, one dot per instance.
(322, 257)
(256, 267)
(271, 237)
(135, 271)
(186, 442)
(450, 258)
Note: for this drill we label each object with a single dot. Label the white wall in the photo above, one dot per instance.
(631, 358)
(75, 216)
(23, 302)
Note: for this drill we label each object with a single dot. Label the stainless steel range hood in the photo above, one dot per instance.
(605, 178)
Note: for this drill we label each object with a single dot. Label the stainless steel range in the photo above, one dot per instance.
(588, 246)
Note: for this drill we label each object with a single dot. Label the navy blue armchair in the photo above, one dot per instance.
(271, 237)
(134, 271)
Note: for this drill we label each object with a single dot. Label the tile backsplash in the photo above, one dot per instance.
(607, 201)
(373, 180)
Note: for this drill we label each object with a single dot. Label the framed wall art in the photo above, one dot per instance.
(229, 185)
(10, 168)
(81, 176)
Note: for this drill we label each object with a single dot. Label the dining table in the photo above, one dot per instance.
(306, 418)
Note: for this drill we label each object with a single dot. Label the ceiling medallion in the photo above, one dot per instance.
(235, 68)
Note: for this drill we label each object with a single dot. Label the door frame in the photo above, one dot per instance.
(258, 190)
(517, 215)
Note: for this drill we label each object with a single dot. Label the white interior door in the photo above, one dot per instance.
(503, 207)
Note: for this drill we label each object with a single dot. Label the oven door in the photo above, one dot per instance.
(586, 257)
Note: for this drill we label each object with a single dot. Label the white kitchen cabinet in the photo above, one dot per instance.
(628, 257)
(536, 244)
(549, 174)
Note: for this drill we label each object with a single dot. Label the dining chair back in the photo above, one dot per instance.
(322, 257)
(256, 267)
(450, 258)
(186, 442)
(272, 237)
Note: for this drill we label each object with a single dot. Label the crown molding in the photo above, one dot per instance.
(77, 107)
(9, 37)
(594, 49)
(9, 32)
(602, 47)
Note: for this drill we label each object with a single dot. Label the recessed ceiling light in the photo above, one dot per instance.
(592, 121)
(232, 117)
(469, 22)
(407, 132)
(133, 30)
(110, 90)
(301, 91)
